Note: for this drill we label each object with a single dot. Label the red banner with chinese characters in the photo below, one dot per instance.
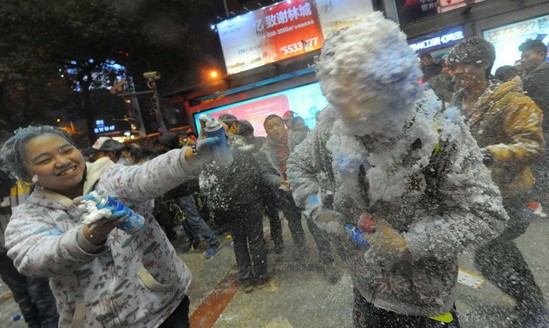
(291, 28)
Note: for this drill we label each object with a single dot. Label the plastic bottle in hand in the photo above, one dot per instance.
(366, 224)
(355, 235)
(134, 221)
(220, 149)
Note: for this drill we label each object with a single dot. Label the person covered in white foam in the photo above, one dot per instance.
(389, 152)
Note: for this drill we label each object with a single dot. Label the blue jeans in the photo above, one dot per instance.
(195, 221)
(33, 295)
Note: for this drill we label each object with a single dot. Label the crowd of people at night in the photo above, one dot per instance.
(414, 161)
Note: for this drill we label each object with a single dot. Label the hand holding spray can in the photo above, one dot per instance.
(366, 224)
(216, 140)
(117, 209)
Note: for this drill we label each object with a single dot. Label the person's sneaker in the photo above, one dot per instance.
(212, 250)
(247, 286)
(261, 283)
(195, 242)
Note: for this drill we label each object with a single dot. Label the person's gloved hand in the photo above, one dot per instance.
(387, 238)
(487, 156)
(202, 148)
(284, 185)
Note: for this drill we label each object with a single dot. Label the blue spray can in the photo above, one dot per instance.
(220, 150)
(134, 221)
(355, 235)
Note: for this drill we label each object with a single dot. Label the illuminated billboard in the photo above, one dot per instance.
(305, 100)
(284, 30)
(506, 39)
(439, 40)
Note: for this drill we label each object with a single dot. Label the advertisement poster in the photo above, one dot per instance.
(447, 5)
(284, 30)
(337, 14)
(305, 100)
(506, 39)
(274, 33)
(411, 10)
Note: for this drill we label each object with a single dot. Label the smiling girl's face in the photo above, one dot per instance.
(57, 164)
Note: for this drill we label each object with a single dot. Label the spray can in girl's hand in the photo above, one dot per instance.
(220, 150)
(134, 221)
(96, 203)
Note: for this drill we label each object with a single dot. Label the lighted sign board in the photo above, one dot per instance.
(411, 10)
(447, 5)
(284, 30)
(443, 39)
(506, 39)
(305, 100)
(101, 127)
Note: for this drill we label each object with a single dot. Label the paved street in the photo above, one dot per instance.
(298, 295)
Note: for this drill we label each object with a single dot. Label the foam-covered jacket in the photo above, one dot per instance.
(508, 124)
(269, 161)
(428, 183)
(133, 280)
(236, 184)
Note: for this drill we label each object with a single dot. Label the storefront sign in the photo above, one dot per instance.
(439, 40)
(101, 127)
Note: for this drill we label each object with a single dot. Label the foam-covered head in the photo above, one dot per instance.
(473, 51)
(370, 75)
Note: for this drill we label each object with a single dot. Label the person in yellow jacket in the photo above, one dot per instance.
(507, 127)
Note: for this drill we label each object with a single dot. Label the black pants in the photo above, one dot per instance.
(366, 315)
(271, 211)
(179, 317)
(293, 215)
(501, 262)
(250, 249)
(33, 295)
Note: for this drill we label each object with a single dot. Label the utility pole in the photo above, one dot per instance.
(152, 77)
(134, 111)
(226, 8)
(135, 106)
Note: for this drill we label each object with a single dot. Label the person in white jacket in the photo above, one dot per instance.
(409, 188)
(101, 276)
